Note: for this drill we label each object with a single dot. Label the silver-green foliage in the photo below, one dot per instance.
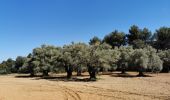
(147, 58)
(125, 55)
(140, 58)
(165, 55)
(43, 58)
(102, 56)
(74, 55)
(154, 61)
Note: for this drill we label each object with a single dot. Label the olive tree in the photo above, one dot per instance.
(80, 54)
(10, 65)
(66, 59)
(19, 62)
(146, 58)
(74, 58)
(101, 56)
(165, 57)
(7, 67)
(154, 62)
(3, 68)
(140, 60)
(45, 55)
(125, 57)
(31, 65)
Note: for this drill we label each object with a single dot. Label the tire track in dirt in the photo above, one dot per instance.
(155, 81)
(67, 91)
(65, 94)
(57, 87)
(126, 93)
(100, 94)
(93, 93)
(75, 93)
(71, 92)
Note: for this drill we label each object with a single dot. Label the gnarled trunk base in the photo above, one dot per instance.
(141, 70)
(45, 73)
(123, 72)
(92, 72)
(69, 71)
(79, 71)
(32, 74)
(141, 74)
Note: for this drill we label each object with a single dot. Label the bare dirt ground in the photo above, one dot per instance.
(108, 87)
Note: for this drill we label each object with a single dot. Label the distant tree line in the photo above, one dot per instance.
(139, 50)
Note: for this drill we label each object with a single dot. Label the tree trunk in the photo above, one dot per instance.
(69, 71)
(69, 74)
(45, 73)
(123, 71)
(79, 70)
(92, 72)
(123, 68)
(141, 72)
(32, 74)
(168, 69)
(93, 75)
(165, 69)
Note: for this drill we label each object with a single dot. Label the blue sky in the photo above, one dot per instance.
(26, 24)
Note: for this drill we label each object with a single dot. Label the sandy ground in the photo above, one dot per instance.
(108, 87)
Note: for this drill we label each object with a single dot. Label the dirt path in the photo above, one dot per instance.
(107, 88)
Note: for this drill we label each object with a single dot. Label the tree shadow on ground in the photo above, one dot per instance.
(126, 75)
(57, 78)
(27, 76)
(64, 78)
